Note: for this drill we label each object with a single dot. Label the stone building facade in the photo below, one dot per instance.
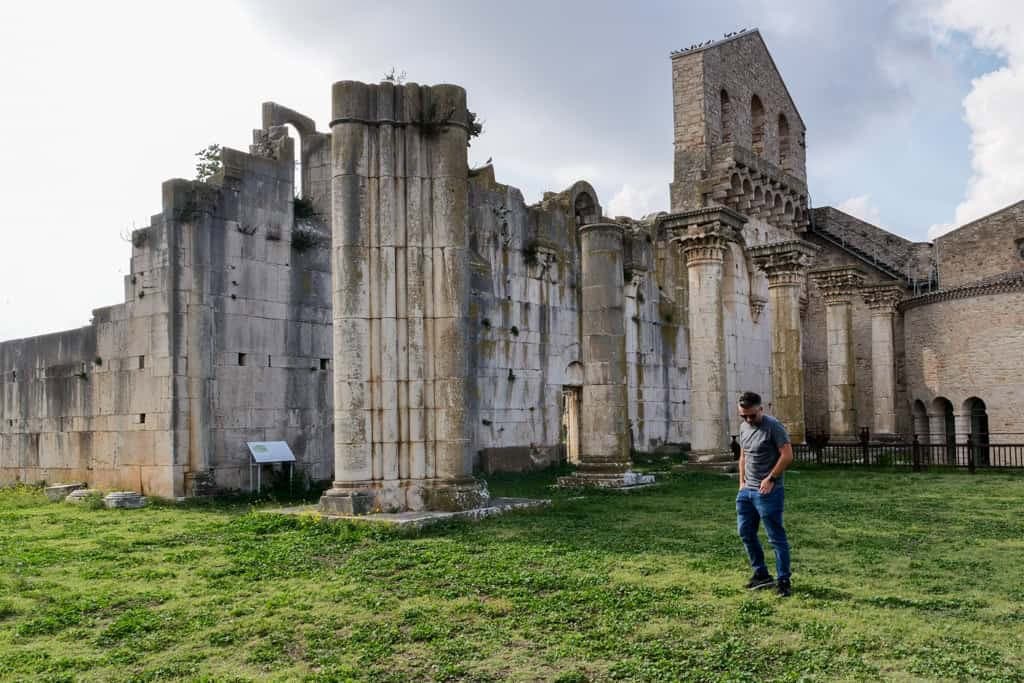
(413, 320)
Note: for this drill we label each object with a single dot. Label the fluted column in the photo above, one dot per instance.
(400, 273)
(703, 236)
(838, 287)
(785, 264)
(883, 300)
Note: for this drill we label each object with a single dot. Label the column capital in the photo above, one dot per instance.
(703, 234)
(785, 263)
(883, 299)
(757, 305)
(838, 284)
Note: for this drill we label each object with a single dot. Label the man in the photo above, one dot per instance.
(765, 453)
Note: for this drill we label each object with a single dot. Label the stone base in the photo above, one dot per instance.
(404, 496)
(710, 456)
(81, 495)
(347, 503)
(606, 480)
(517, 459)
(719, 467)
(420, 519)
(58, 492)
(124, 499)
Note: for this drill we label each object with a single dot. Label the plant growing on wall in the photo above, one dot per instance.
(395, 76)
(208, 163)
(303, 208)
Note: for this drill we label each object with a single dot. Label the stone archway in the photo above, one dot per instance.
(572, 399)
(976, 419)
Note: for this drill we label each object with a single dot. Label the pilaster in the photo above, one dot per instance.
(838, 286)
(703, 235)
(883, 300)
(786, 264)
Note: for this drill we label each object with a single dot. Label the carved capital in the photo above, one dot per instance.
(839, 284)
(757, 305)
(785, 263)
(882, 299)
(703, 234)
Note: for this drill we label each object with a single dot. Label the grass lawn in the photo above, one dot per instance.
(896, 576)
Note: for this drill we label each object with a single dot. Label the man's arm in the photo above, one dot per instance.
(785, 458)
(743, 460)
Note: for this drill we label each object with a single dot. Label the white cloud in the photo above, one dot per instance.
(637, 202)
(992, 108)
(862, 207)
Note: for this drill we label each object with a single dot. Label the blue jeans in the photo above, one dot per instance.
(751, 508)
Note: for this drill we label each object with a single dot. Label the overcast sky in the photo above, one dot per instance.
(912, 108)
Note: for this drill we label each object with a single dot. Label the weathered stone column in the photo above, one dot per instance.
(401, 299)
(703, 236)
(883, 300)
(785, 264)
(838, 286)
(604, 435)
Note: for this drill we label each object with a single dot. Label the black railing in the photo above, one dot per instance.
(980, 451)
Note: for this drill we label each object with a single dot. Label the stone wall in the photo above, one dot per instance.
(224, 337)
(252, 315)
(744, 69)
(525, 323)
(94, 404)
(986, 247)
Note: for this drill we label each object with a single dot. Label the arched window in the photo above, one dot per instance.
(757, 126)
(726, 112)
(783, 141)
(585, 209)
(789, 210)
(747, 187)
(942, 426)
(737, 185)
(758, 194)
(974, 410)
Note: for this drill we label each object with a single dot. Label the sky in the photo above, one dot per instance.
(912, 107)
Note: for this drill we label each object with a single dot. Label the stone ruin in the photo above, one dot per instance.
(412, 320)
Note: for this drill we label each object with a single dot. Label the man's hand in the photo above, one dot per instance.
(742, 484)
(766, 486)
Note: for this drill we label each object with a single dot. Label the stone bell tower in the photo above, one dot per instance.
(739, 202)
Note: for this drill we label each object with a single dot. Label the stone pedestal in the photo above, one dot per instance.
(400, 274)
(703, 235)
(883, 301)
(604, 434)
(838, 287)
(785, 264)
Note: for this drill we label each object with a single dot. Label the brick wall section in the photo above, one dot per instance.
(988, 246)
(970, 347)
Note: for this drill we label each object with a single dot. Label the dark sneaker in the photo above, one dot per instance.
(783, 588)
(759, 581)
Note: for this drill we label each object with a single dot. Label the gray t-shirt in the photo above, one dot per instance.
(761, 446)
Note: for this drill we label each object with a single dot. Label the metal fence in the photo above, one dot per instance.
(980, 451)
